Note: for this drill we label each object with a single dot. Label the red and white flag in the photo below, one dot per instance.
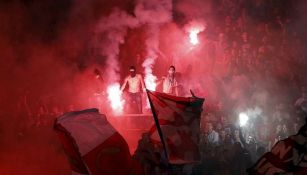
(288, 156)
(177, 125)
(92, 145)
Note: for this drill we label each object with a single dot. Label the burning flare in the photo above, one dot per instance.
(115, 97)
(243, 118)
(150, 82)
(193, 28)
(149, 79)
(193, 36)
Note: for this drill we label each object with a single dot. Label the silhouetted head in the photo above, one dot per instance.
(171, 70)
(132, 71)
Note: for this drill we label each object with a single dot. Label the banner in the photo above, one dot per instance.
(92, 145)
(288, 156)
(177, 126)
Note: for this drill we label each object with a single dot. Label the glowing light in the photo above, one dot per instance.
(193, 28)
(150, 82)
(193, 36)
(115, 97)
(243, 118)
(149, 79)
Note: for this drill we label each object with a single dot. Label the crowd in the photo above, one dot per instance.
(225, 148)
(228, 148)
(261, 41)
(256, 39)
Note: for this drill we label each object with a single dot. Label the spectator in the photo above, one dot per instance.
(237, 138)
(224, 138)
(284, 131)
(213, 137)
(278, 133)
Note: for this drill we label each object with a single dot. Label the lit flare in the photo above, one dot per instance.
(115, 97)
(194, 36)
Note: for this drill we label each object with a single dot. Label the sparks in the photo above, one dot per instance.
(115, 97)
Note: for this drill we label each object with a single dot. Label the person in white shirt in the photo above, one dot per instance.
(135, 88)
(213, 136)
(170, 84)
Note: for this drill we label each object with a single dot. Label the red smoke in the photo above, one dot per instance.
(50, 49)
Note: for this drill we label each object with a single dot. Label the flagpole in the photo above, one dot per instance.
(157, 124)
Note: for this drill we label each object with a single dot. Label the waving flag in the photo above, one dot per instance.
(288, 156)
(177, 125)
(92, 145)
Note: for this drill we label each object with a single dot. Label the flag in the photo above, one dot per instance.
(177, 126)
(92, 144)
(288, 156)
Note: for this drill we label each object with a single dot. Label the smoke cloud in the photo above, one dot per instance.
(153, 14)
(108, 37)
(50, 49)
